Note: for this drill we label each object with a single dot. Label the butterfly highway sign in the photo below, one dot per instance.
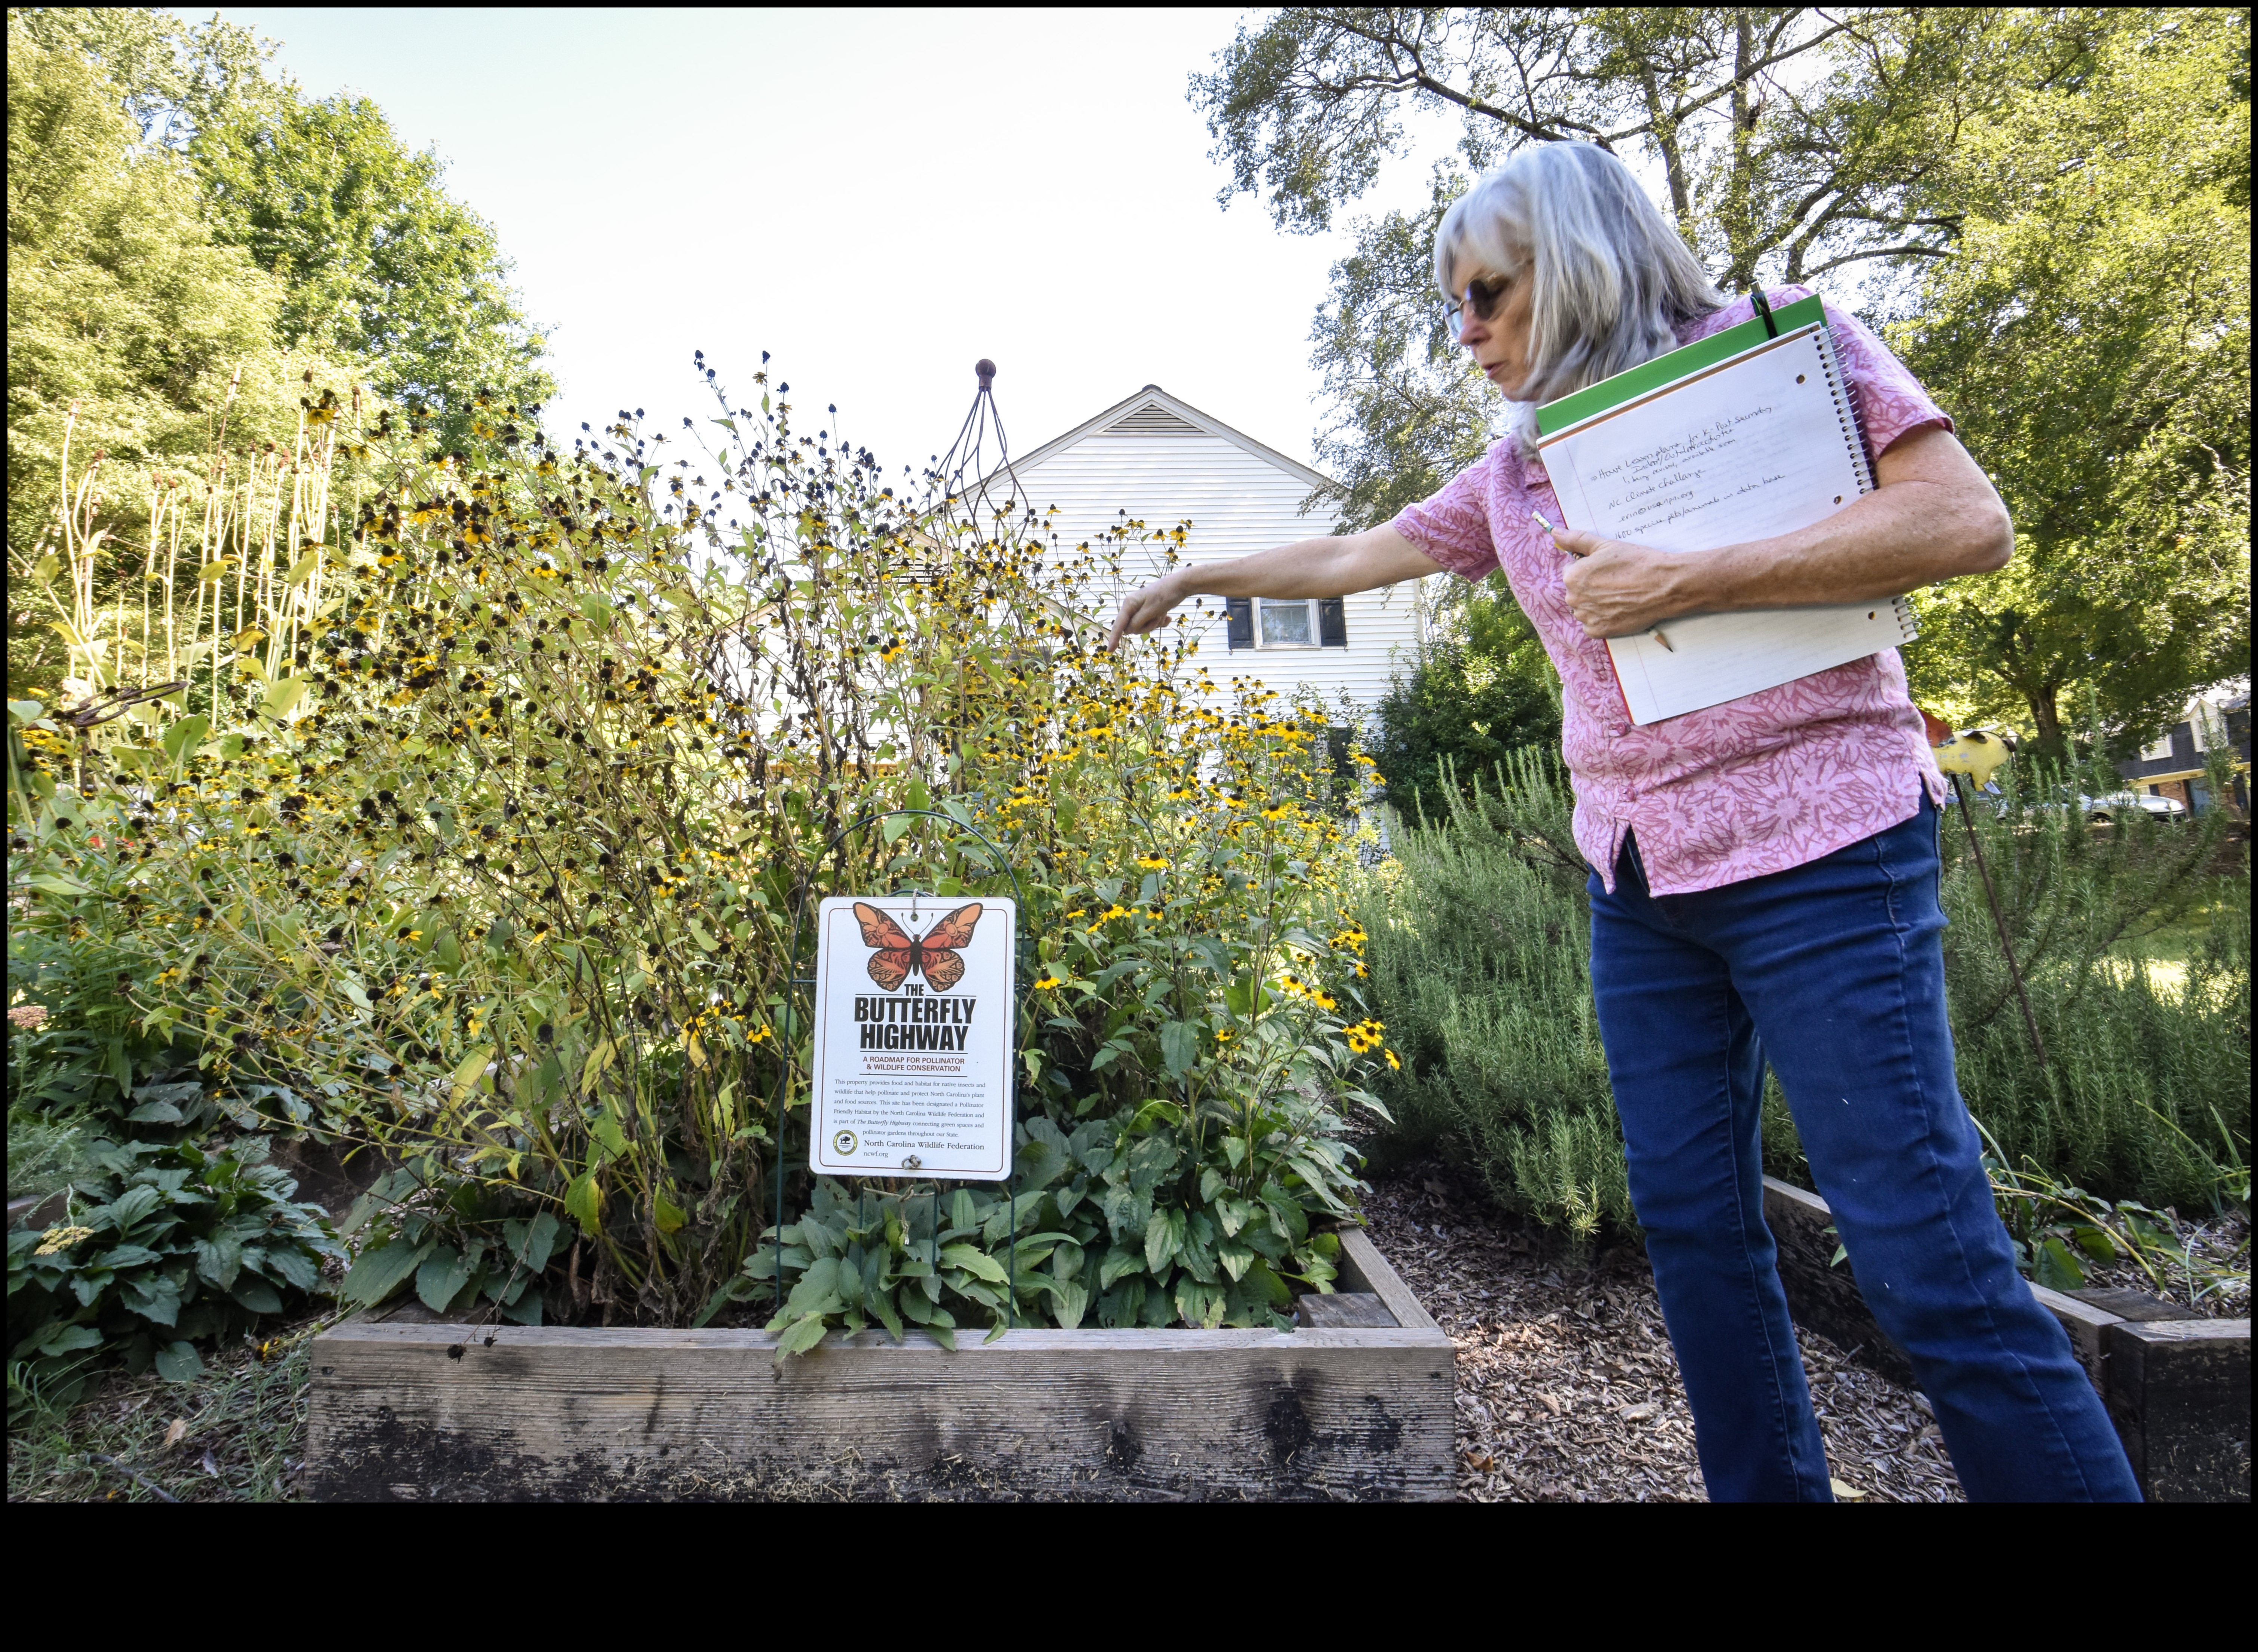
(913, 1014)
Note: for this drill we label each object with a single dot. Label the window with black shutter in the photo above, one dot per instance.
(1238, 621)
(1332, 624)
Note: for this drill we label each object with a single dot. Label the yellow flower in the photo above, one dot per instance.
(59, 1239)
(1046, 983)
(1153, 862)
(1393, 1063)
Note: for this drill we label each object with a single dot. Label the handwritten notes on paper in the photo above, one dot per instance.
(1755, 447)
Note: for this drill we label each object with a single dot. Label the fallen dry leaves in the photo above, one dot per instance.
(1567, 1388)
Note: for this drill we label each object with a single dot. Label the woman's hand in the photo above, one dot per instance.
(1619, 590)
(1147, 607)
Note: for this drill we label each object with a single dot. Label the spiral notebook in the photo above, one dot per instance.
(1746, 434)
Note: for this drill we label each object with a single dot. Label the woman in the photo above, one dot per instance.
(1765, 872)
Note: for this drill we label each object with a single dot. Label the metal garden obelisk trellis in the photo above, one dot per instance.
(984, 516)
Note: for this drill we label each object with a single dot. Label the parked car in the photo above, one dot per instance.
(2115, 803)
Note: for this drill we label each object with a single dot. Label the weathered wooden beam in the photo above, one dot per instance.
(2179, 1393)
(2178, 1388)
(1364, 1269)
(419, 1412)
(1343, 1310)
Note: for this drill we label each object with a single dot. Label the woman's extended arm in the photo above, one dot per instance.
(1932, 515)
(1329, 567)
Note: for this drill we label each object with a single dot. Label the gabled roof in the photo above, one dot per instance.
(1154, 412)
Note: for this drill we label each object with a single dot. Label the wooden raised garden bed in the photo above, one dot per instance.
(1355, 1404)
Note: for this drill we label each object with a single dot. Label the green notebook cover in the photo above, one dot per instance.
(1652, 375)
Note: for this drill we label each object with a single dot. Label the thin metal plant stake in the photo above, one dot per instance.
(1999, 922)
(1010, 1122)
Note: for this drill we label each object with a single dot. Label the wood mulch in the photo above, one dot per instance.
(1568, 1392)
(2217, 1287)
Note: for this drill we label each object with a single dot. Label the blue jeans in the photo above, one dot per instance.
(1834, 972)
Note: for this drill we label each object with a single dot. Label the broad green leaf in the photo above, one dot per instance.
(800, 1336)
(537, 1241)
(131, 1206)
(26, 711)
(818, 1286)
(606, 1129)
(668, 1217)
(469, 1071)
(1180, 1042)
(1116, 1262)
(295, 1266)
(378, 1273)
(598, 1058)
(155, 1299)
(65, 1338)
(2056, 1268)
(2095, 1243)
(441, 1279)
(974, 1261)
(583, 1202)
(257, 1294)
(178, 1362)
(218, 1260)
(283, 696)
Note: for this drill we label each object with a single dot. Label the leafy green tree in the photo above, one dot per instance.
(377, 261)
(1791, 142)
(2091, 334)
(120, 304)
(380, 262)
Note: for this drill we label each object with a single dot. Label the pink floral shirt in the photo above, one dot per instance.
(1758, 784)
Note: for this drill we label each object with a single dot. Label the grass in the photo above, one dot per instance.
(2166, 949)
(234, 1435)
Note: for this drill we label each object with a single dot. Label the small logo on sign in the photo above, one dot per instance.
(845, 1143)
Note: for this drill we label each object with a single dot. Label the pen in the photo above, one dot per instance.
(1538, 518)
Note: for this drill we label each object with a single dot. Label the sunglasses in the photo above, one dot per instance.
(1485, 294)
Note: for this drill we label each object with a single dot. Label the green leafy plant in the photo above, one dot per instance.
(2059, 1231)
(452, 1243)
(1480, 963)
(484, 843)
(173, 1246)
(1124, 1220)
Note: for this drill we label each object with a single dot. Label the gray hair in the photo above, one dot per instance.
(1612, 280)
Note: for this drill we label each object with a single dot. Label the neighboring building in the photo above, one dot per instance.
(2174, 766)
(1162, 461)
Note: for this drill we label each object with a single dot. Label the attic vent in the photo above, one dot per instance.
(1152, 420)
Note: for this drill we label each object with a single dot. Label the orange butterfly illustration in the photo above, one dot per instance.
(898, 957)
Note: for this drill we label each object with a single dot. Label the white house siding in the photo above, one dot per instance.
(1237, 501)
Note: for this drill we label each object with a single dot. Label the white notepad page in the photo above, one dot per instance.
(1762, 444)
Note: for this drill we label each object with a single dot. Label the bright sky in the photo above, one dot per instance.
(878, 198)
